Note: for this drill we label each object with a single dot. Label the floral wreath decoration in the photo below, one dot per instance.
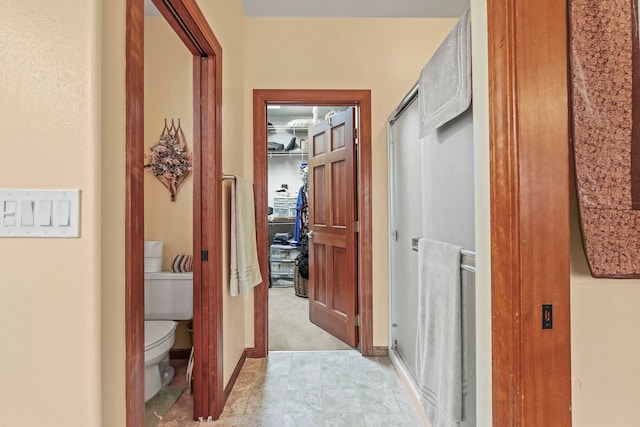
(169, 160)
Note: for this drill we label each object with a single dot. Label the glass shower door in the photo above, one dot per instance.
(406, 224)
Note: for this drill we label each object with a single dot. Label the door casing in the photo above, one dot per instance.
(185, 17)
(529, 175)
(361, 99)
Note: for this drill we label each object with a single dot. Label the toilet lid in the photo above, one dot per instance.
(156, 332)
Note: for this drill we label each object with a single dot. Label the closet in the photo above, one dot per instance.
(289, 130)
(287, 133)
(288, 154)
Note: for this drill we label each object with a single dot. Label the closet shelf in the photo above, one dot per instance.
(288, 154)
(289, 128)
(285, 221)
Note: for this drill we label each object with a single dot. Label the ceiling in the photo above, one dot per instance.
(356, 8)
(347, 8)
(150, 9)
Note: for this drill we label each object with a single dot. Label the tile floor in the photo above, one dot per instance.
(306, 389)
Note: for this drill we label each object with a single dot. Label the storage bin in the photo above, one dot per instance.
(280, 212)
(279, 267)
(300, 284)
(282, 282)
(280, 252)
(285, 201)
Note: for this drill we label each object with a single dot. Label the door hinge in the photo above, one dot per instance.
(355, 135)
(205, 256)
(356, 226)
(356, 320)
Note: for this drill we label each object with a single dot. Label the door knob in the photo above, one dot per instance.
(310, 234)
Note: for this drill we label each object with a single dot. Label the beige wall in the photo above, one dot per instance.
(384, 55)
(605, 344)
(226, 18)
(168, 94)
(50, 302)
(113, 203)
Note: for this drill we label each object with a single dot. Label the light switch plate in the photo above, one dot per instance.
(39, 213)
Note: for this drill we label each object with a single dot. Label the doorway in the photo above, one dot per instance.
(187, 20)
(361, 99)
(290, 129)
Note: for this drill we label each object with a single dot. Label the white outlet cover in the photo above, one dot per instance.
(39, 213)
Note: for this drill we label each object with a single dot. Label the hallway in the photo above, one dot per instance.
(325, 388)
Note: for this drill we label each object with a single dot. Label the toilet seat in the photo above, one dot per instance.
(158, 332)
(159, 336)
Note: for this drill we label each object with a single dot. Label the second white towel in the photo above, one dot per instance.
(439, 332)
(244, 269)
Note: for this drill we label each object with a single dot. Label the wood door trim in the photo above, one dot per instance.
(186, 18)
(361, 98)
(234, 375)
(529, 142)
(134, 214)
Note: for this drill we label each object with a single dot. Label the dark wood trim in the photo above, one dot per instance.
(260, 182)
(180, 353)
(211, 227)
(234, 375)
(365, 245)
(187, 20)
(362, 99)
(252, 353)
(506, 351)
(199, 333)
(134, 214)
(529, 141)
(379, 351)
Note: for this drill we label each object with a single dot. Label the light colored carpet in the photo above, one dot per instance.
(290, 328)
(156, 407)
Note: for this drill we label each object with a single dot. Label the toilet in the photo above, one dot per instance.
(167, 297)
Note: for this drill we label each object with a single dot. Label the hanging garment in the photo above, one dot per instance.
(298, 225)
(302, 217)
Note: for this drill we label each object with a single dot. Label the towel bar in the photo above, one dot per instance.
(468, 268)
(463, 252)
(468, 253)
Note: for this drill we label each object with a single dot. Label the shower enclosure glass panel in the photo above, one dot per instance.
(406, 190)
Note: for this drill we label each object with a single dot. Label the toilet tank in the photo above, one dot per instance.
(168, 296)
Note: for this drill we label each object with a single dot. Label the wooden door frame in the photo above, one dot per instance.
(362, 99)
(529, 162)
(186, 18)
